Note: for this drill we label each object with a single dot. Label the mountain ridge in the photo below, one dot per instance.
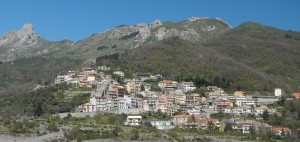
(129, 36)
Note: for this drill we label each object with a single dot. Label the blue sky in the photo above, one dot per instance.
(77, 19)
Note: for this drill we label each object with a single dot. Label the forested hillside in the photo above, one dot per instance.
(23, 75)
(265, 49)
(182, 60)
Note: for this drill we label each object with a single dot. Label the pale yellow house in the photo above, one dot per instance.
(239, 93)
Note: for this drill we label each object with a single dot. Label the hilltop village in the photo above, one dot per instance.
(188, 106)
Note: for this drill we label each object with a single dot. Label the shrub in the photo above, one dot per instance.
(134, 134)
(52, 127)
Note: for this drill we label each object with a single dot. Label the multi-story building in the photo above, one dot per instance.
(151, 100)
(193, 99)
(133, 120)
(168, 84)
(120, 91)
(186, 86)
(133, 88)
(87, 107)
(119, 73)
(136, 103)
(62, 78)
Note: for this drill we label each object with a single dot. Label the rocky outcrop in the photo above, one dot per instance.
(24, 37)
(144, 33)
(208, 28)
(25, 43)
(156, 23)
(163, 33)
(191, 19)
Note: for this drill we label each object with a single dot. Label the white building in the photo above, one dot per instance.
(278, 92)
(87, 107)
(244, 101)
(162, 125)
(104, 68)
(169, 84)
(133, 120)
(119, 73)
(260, 110)
(62, 78)
(122, 103)
(186, 86)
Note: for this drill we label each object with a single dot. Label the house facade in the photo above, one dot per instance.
(133, 120)
(282, 131)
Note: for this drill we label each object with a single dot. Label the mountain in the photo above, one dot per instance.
(26, 43)
(252, 57)
(127, 37)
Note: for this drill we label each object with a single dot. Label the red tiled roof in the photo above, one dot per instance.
(281, 128)
(187, 83)
(212, 120)
(296, 95)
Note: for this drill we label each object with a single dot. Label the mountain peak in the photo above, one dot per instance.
(27, 27)
(15, 42)
(28, 33)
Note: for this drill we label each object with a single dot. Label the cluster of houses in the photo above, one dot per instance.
(192, 109)
(85, 78)
(200, 121)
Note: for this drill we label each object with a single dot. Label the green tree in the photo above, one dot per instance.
(135, 134)
(265, 115)
(282, 101)
(68, 117)
(252, 130)
(228, 128)
(142, 87)
(116, 131)
(38, 110)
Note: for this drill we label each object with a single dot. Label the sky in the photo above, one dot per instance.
(56, 20)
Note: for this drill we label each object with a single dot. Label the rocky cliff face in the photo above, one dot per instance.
(17, 44)
(22, 38)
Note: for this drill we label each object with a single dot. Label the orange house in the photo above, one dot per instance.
(296, 96)
(282, 131)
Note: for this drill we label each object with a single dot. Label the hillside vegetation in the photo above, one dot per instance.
(251, 57)
(21, 75)
(182, 60)
(265, 49)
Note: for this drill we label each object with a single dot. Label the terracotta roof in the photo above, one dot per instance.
(212, 120)
(296, 95)
(187, 83)
(281, 128)
(198, 115)
(182, 115)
